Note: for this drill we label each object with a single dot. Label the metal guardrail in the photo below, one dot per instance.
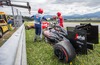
(13, 51)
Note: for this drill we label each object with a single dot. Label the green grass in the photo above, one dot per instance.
(41, 53)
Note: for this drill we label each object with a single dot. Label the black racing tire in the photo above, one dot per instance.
(64, 51)
(1, 33)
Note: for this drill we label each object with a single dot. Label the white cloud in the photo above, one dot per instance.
(67, 7)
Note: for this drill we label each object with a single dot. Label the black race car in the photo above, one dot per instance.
(74, 40)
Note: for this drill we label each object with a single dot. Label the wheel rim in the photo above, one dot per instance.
(61, 54)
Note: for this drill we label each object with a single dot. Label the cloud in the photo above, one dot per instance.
(6, 9)
(88, 2)
(67, 7)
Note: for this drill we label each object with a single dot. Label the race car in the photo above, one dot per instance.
(45, 24)
(74, 40)
(30, 25)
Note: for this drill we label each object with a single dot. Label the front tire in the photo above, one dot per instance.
(64, 51)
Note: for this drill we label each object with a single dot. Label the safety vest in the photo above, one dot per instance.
(37, 18)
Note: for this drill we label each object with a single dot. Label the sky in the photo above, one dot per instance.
(51, 7)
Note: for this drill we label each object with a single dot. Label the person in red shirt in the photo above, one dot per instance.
(60, 19)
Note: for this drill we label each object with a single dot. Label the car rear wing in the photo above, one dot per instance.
(83, 37)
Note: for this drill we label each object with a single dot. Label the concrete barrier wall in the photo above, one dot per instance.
(13, 51)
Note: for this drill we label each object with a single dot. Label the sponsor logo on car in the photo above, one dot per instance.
(79, 37)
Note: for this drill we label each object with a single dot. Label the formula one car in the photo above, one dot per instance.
(74, 40)
(30, 25)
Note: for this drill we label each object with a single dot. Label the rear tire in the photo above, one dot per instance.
(64, 51)
(1, 33)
